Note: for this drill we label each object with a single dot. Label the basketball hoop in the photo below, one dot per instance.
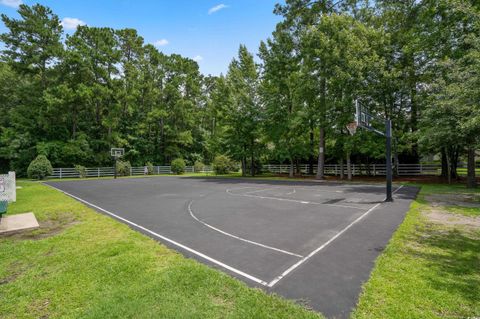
(352, 127)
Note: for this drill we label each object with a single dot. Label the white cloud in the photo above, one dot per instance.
(216, 8)
(71, 23)
(197, 58)
(161, 42)
(11, 3)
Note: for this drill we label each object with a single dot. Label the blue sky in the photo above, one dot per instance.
(208, 31)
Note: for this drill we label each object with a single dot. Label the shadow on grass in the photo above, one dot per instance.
(453, 257)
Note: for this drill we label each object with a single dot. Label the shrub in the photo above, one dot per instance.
(178, 166)
(40, 168)
(81, 170)
(198, 166)
(150, 169)
(222, 165)
(123, 168)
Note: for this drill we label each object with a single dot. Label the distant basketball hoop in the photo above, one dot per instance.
(116, 153)
(352, 127)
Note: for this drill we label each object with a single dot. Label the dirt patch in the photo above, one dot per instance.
(40, 308)
(445, 218)
(465, 200)
(16, 270)
(48, 228)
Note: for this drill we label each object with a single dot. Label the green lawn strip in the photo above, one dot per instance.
(83, 264)
(428, 270)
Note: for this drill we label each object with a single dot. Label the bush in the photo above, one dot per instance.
(123, 168)
(150, 169)
(222, 165)
(178, 166)
(40, 168)
(81, 170)
(198, 166)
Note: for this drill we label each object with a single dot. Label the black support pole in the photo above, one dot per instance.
(115, 168)
(388, 151)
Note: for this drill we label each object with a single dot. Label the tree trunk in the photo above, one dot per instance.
(321, 143)
(244, 166)
(396, 164)
(451, 156)
(444, 173)
(349, 167)
(310, 157)
(252, 161)
(449, 170)
(342, 175)
(413, 108)
(290, 172)
(471, 178)
(321, 155)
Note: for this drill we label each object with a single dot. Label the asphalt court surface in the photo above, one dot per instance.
(308, 241)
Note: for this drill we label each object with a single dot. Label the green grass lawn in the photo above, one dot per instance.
(431, 267)
(81, 264)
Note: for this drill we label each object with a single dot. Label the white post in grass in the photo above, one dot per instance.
(11, 176)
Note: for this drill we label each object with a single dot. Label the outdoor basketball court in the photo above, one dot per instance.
(309, 241)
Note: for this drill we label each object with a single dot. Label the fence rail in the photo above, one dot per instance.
(330, 169)
(363, 169)
(63, 172)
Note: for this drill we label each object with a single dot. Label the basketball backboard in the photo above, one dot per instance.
(117, 152)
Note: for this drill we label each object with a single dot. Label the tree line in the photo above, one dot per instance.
(73, 97)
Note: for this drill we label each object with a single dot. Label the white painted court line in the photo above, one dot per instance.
(261, 190)
(237, 237)
(304, 259)
(219, 263)
(290, 200)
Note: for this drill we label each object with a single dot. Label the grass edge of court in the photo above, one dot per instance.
(401, 282)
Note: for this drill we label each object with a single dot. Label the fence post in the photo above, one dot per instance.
(374, 171)
(98, 171)
(131, 171)
(60, 172)
(421, 169)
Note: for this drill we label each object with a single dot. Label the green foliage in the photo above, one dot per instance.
(223, 165)
(406, 60)
(123, 168)
(178, 166)
(81, 170)
(198, 166)
(40, 168)
(150, 168)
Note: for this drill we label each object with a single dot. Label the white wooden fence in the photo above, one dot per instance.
(362, 169)
(330, 169)
(63, 172)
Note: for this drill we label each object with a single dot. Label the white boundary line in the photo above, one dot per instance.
(232, 269)
(304, 259)
(237, 237)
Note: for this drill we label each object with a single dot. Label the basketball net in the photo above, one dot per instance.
(352, 127)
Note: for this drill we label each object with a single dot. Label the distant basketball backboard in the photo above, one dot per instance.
(117, 152)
